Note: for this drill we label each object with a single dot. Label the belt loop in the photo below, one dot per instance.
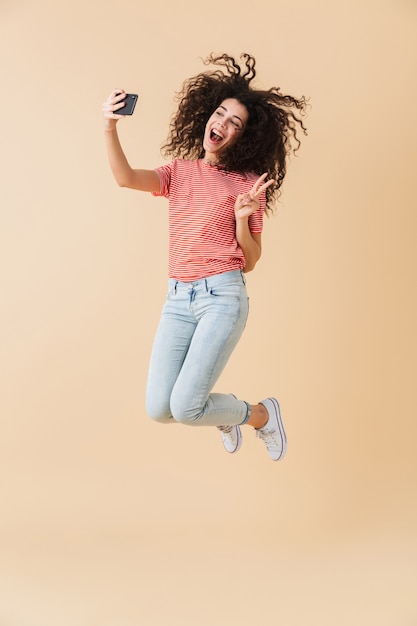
(206, 284)
(175, 287)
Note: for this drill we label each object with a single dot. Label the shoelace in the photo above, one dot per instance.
(226, 429)
(268, 437)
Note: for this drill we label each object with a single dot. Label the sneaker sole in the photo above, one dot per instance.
(239, 435)
(239, 441)
(277, 415)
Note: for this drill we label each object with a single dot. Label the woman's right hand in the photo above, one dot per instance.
(114, 102)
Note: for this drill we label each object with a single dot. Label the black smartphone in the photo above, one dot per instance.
(129, 104)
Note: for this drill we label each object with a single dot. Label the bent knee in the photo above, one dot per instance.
(185, 414)
(159, 412)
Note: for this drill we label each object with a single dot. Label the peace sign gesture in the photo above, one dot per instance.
(247, 203)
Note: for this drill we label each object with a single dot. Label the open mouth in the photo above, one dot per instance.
(215, 136)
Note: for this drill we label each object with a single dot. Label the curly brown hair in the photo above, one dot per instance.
(270, 133)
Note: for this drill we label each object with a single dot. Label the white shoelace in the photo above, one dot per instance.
(268, 438)
(226, 429)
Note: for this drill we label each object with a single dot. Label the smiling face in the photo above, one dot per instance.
(224, 128)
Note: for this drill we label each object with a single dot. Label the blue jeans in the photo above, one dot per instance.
(201, 323)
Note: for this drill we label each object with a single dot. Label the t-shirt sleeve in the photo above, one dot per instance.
(164, 172)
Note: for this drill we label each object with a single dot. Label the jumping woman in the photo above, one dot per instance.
(229, 144)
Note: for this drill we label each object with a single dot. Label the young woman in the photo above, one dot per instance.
(229, 143)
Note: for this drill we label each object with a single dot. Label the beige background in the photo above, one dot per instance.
(107, 519)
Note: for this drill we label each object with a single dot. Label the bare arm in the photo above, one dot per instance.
(124, 174)
(250, 244)
(245, 205)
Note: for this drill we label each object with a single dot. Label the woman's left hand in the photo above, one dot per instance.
(248, 203)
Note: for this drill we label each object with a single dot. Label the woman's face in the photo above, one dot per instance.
(224, 127)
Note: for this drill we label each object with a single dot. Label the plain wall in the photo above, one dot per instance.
(107, 518)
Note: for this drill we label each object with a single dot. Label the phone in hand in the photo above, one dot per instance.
(129, 104)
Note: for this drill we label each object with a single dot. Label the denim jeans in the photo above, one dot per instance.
(200, 325)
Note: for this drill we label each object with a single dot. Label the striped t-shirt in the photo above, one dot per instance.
(202, 227)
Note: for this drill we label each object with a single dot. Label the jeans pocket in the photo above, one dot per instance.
(232, 291)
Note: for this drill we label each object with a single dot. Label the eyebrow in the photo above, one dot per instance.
(224, 109)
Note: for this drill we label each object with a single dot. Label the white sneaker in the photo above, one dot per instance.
(273, 433)
(231, 437)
